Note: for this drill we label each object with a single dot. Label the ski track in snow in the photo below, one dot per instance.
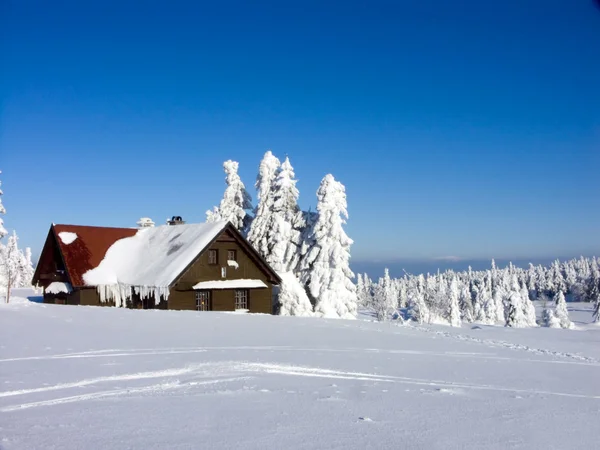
(110, 353)
(231, 371)
(509, 345)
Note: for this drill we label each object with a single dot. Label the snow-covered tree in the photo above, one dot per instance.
(3, 231)
(513, 305)
(364, 287)
(454, 308)
(236, 200)
(11, 262)
(385, 298)
(417, 305)
(293, 300)
(325, 270)
(288, 221)
(528, 308)
(561, 310)
(549, 319)
(262, 228)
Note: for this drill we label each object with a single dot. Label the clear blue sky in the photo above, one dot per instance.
(467, 129)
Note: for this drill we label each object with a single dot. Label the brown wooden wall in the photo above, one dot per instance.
(259, 300)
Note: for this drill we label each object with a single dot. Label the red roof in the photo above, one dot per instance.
(88, 250)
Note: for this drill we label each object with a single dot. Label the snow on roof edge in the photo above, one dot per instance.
(230, 284)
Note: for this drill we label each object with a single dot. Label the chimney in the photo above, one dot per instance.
(175, 220)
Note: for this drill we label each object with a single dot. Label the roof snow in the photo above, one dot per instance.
(67, 237)
(230, 284)
(153, 257)
(58, 287)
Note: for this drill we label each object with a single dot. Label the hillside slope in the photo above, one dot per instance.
(85, 377)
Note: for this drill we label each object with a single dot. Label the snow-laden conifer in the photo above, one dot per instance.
(385, 298)
(236, 200)
(262, 229)
(561, 310)
(288, 221)
(326, 267)
(454, 308)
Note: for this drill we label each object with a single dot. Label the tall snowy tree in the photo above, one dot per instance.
(236, 200)
(325, 270)
(288, 221)
(3, 231)
(261, 234)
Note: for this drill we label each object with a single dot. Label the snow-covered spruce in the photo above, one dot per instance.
(325, 269)
(288, 221)
(236, 200)
(561, 312)
(16, 269)
(262, 230)
(385, 297)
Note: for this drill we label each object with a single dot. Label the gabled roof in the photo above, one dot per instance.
(155, 256)
(88, 248)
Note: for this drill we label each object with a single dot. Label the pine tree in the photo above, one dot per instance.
(417, 306)
(3, 231)
(235, 202)
(288, 221)
(513, 305)
(261, 234)
(326, 268)
(385, 298)
(11, 261)
(528, 308)
(561, 310)
(454, 309)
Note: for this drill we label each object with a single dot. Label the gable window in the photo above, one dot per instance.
(231, 255)
(241, 299)
(203, 301)
(213, 257)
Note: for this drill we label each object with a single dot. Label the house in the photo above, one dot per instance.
(205, 266)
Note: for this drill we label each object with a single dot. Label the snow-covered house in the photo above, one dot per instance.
(205, 266)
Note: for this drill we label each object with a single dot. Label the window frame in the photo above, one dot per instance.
(215, 252)
(241, 301)
(234, 251)
(198, 297)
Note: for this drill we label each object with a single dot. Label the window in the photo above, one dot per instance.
(213, 257)
(241, 299)
(223, 272)
(231, 255)
(203, 300)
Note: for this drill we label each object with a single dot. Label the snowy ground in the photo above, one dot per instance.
(87, 377)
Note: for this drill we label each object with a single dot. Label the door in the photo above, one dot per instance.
(203, 301)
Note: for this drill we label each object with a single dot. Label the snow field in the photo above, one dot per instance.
(75, 377)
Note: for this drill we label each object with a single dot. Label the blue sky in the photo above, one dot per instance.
(467, 129)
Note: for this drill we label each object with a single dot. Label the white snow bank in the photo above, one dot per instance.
(67, 237)
(231, 284)
(150, 260)
(232, 263)
(292, 297)
(58, 287)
